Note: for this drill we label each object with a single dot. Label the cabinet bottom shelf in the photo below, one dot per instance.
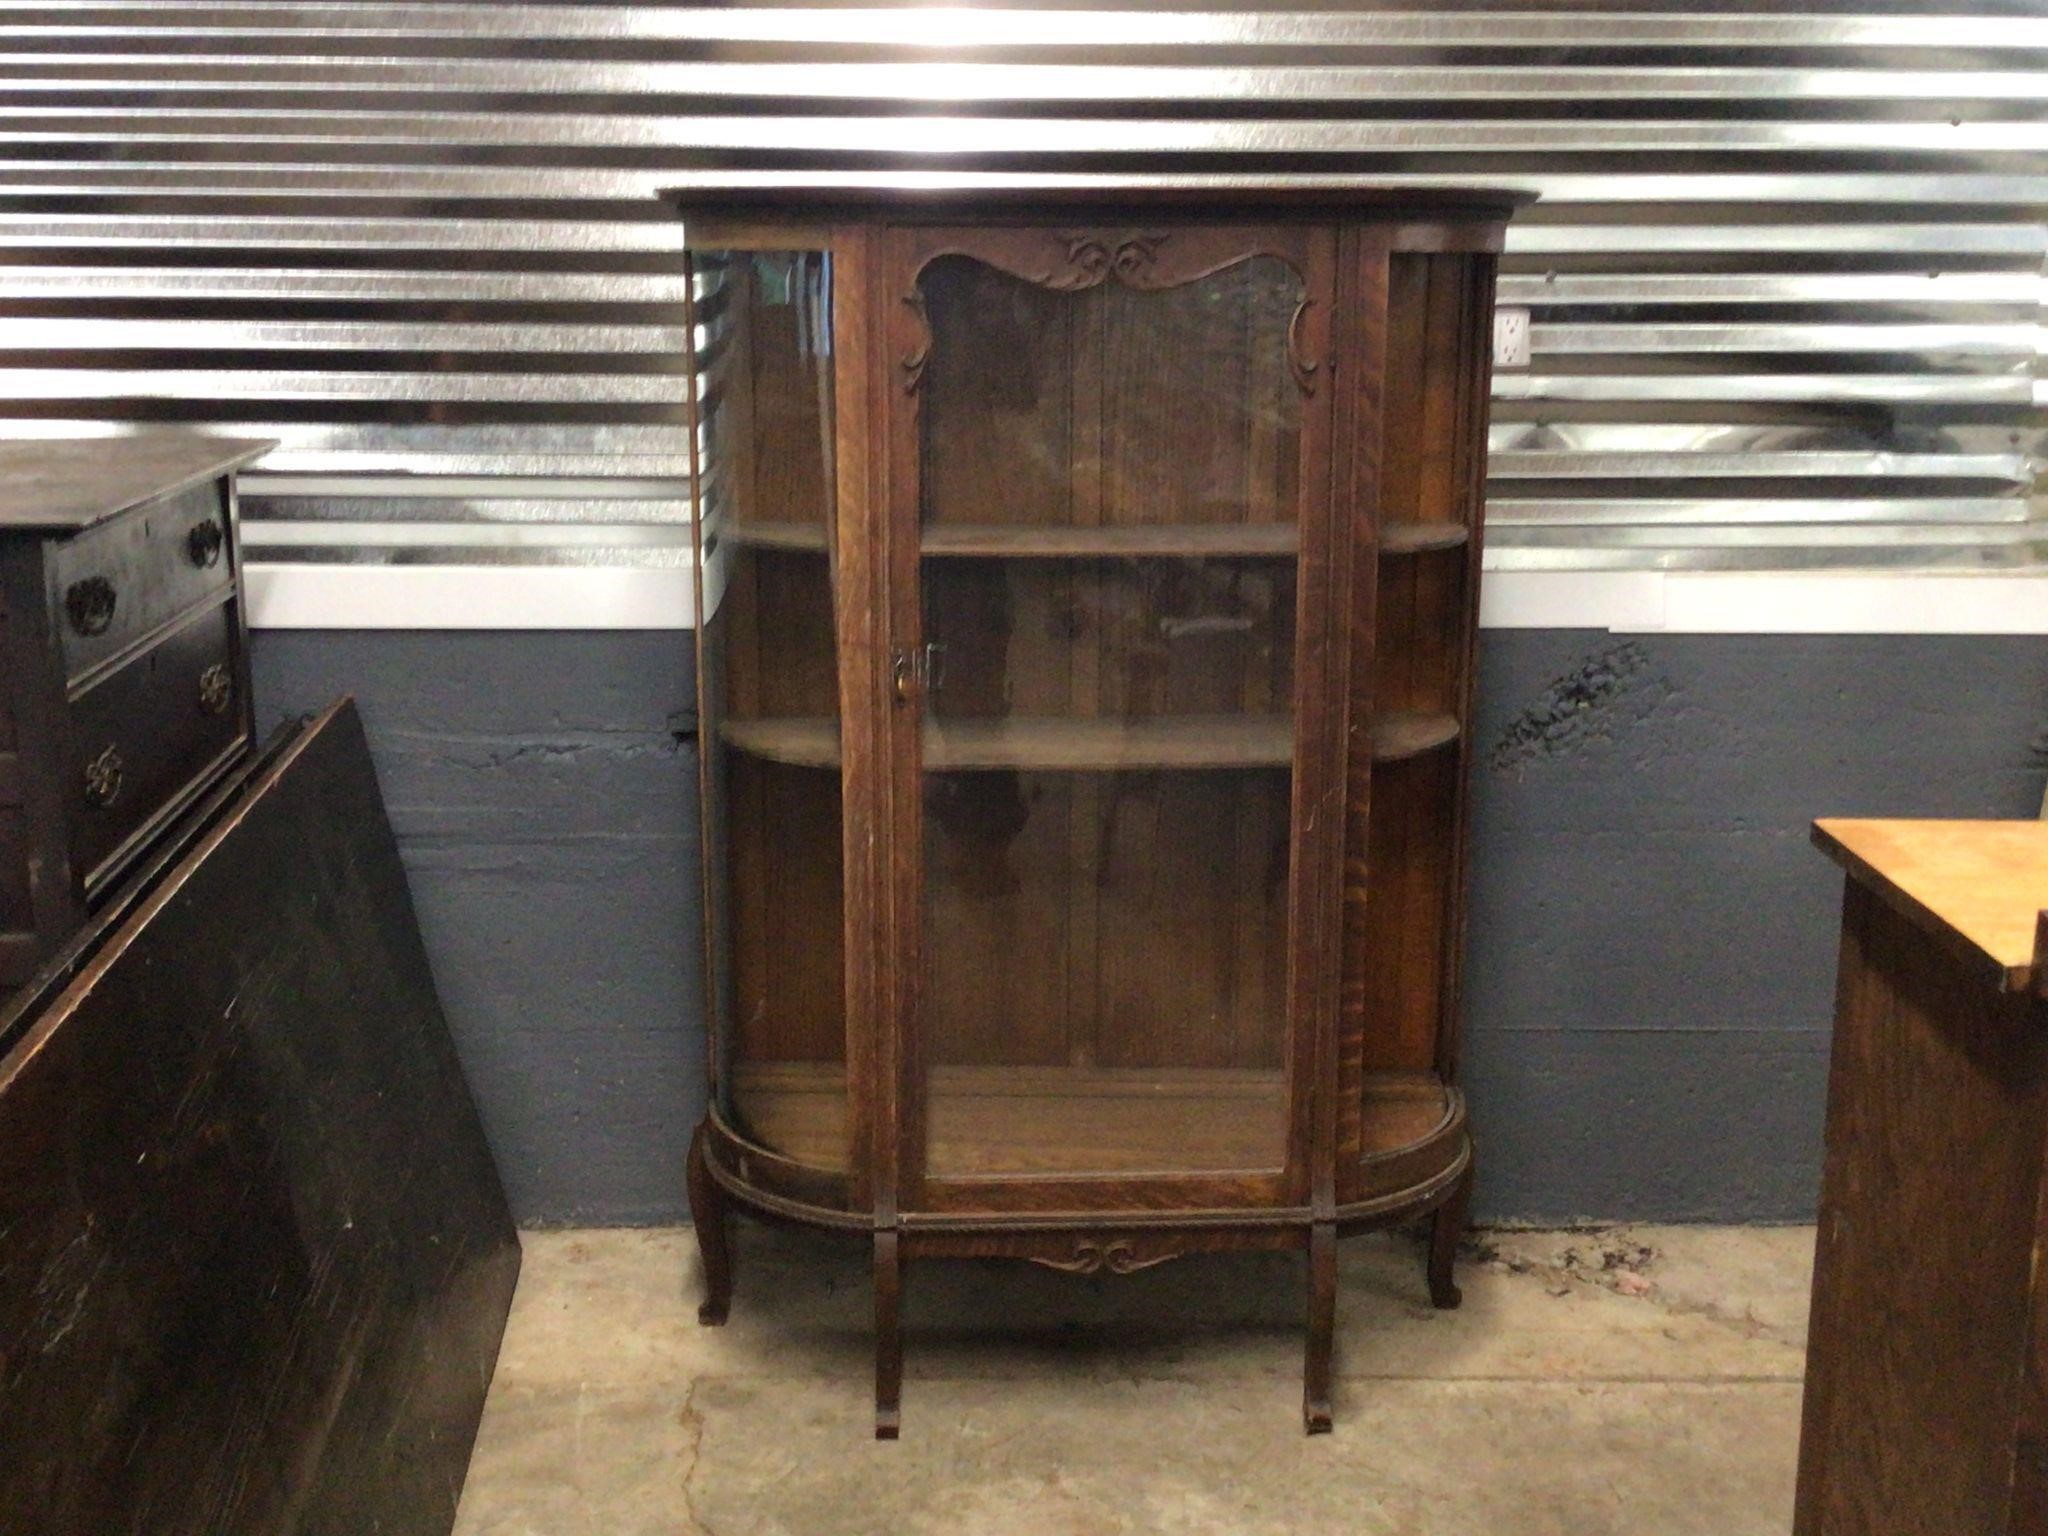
(992, 1122)
(1038, 744)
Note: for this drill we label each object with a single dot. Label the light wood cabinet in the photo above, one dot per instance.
(1927, 1359)
(1088, 602)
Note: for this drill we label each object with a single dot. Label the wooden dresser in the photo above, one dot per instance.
(124, 673)
(1927, 1367)
(1085, 671)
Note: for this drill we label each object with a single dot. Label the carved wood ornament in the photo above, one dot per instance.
(1092, 1256)
(1072, 262)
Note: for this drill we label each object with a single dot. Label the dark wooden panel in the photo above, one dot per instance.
(39, 840)
(1928, 1229)
(257, 1261)
(17, 898)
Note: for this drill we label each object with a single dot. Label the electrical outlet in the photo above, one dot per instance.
(1511, 338)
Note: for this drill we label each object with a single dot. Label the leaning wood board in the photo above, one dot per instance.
(1928, 1352)
(256, 1261)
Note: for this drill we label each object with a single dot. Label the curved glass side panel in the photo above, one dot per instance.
(770, 699)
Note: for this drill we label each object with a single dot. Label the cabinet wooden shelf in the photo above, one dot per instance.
(1189, 540)
(1009, 1122)
(1083, 879)
(1057, 541)
(1422, 538)
(1030, 745)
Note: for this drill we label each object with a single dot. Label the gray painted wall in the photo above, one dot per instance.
(1652, 939)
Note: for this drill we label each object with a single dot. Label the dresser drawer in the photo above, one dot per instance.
(119, 581)
(149, 732)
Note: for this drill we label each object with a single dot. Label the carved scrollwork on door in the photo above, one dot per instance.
(1299, 363)
(1090, 260)
(1072, 261)
(1091, 1256)
(921, 353)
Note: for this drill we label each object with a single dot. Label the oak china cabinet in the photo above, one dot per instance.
(1087, 597)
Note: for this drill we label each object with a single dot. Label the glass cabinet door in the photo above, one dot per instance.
(769, 699)
(1110, 466)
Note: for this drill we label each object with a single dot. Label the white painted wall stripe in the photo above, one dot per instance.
(310, 596)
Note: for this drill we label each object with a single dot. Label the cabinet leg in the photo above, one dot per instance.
(1322, 1327)
(1446, 1227)
(888, 1337)
(709, 1212)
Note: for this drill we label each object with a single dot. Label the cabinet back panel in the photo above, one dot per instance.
(1111, 405)
(998, 398)
(1398, 947)
(1000, 946)
(779, 646)
(1131, 919)
(1421, 619)
(1201, 419)
(1099, 638)
(1192, 949)
(766, 377)
(788, 892)
(1430, 318)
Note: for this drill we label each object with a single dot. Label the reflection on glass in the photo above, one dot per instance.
(773, 819)
(1109, 489)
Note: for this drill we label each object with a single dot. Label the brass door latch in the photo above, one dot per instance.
(919, 672)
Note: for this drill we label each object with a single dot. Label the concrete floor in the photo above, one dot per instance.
(1639, 1380)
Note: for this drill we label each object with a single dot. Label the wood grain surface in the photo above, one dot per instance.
(1924, 1379)
(1981, 885)
(1132, 615)
(257, 1260)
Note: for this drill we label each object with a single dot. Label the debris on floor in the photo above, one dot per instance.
(1610, 1257)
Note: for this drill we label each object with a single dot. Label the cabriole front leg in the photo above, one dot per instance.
(709, 1212)
(1446, 1230)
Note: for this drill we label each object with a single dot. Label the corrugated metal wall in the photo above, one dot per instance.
(1787, 280)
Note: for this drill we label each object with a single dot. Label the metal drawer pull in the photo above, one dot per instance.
(90, 605)
(216, 688)
(204, 543)
(103, 779)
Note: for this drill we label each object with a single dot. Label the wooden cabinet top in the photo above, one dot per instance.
(1417, 218)
(1205, 199)
(66, 485)
(1979, 886)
